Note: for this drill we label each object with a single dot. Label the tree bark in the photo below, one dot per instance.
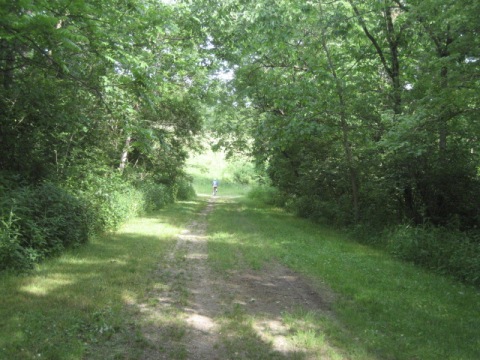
(7, 53)
(392, 68)
(124, 157)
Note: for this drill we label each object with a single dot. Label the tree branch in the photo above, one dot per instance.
(363, 24)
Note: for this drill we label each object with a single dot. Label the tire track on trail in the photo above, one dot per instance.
(184, 317)
(202, 335)
(186, 300)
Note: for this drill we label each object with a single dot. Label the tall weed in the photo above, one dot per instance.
(39, 221)
(12, 254)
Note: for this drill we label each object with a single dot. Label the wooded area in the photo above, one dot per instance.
(364, 114)
(360, 113)
(98, 107)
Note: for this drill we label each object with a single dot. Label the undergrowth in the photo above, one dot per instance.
(444, 250)
(39, 221)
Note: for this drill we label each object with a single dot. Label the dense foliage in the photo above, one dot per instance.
(360, 113)
(363, 113)
(98, 106)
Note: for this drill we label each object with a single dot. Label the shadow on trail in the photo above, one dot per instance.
(243, 313)
(250, 239)
(259, 309)
(49, 304)
(79, 299)
(190, 312)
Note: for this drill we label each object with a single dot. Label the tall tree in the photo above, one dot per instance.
(87, 82)
(388, 84)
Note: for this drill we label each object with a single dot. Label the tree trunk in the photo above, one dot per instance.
(395, 62)
(392, 68)
(6, 52)
(124, 157)
(443, 117)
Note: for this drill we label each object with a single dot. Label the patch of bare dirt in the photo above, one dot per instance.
(203, 334)
(276, 289)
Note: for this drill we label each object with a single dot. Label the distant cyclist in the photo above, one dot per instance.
(215, 186)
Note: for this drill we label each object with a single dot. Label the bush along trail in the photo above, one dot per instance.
(231, 278)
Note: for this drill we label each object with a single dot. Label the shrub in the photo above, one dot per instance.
(156, 196)
(244, 173)
(185, 189)
(115, 205)
(111, 199)
(443, 250)
(38, 221)
(321, 211)
(268, 195)
(41, 221)
(240, 170)
(62, 215)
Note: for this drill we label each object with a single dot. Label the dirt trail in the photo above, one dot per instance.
(196, 299)
(203, 307)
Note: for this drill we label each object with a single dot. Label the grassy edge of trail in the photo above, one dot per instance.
(385, 309)
(76, 303)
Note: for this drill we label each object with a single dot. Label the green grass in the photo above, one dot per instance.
(75, 306)
(206, 167)
(385, 309)
(84, 304)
